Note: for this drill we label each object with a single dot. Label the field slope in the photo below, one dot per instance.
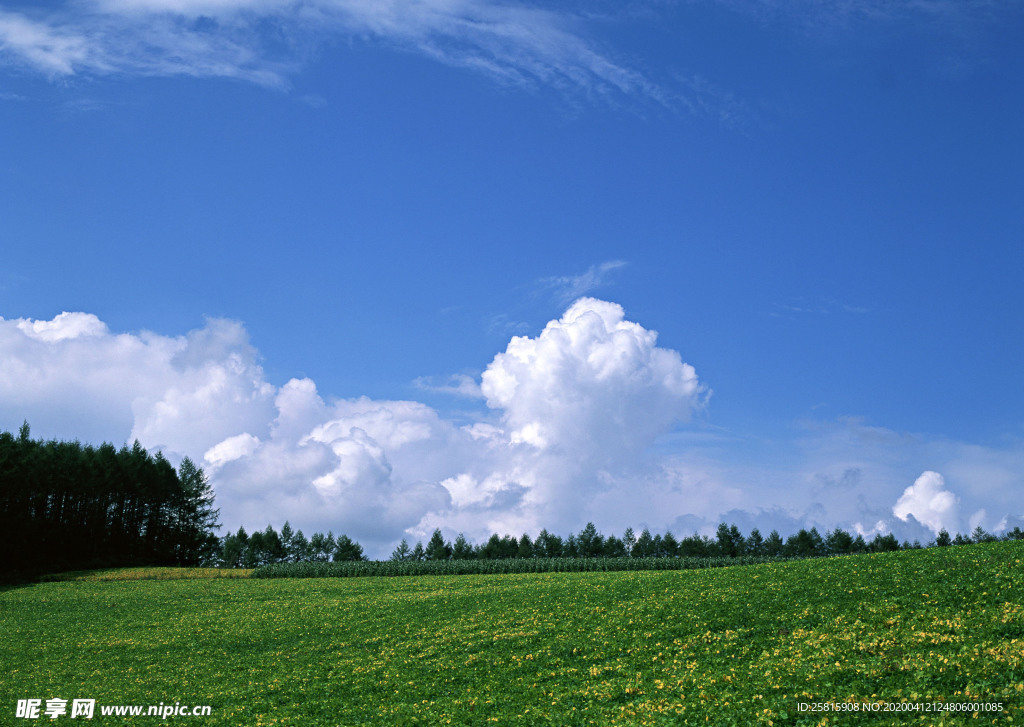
(742, 645)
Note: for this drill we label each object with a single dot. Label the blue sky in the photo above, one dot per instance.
(816, 205)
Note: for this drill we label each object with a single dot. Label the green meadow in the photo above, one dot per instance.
(888, 638)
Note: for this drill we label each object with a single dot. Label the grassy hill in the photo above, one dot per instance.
(741, 645)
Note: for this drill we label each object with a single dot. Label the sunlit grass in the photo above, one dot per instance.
(743, 645)
(148, 574)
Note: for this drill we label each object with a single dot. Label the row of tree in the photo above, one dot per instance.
(728, 542)
(241, 550)
(66, 506)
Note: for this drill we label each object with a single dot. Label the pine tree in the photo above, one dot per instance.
(628, 541)
(347, 549)
(525, 548)
(196, 517)
(418, 553)
(402, 552)
(437, 548)
(462, 550)
(755, 543)
(590, 543)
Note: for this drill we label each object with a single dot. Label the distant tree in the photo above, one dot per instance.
(402, 552)
(509, 546)
(884, 543)
(614, 548)
(730, 541)
(981, 536)
(462, 550)
(524, 548)
(319, 549)
(773, 545)
(805, 544)
(301, 549)
(288, 542)
(644, 547)
(572, 547)
(838, 542)
(232, 548)
(1015, 534)
(696, 546)
(859, 545)
(943, 540)
(196, 517)
(669, 545)
(961, 540)
(437, 548)
(589, 542)
(628, 541)
(492, 549)
(548, 545)
(346, 549)
(755, 543)
(272, 547)
(418, 553)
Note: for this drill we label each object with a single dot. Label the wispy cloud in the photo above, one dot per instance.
(264, 41)
(568, 288)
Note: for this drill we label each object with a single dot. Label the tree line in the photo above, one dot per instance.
(267, 547)
(69, 506)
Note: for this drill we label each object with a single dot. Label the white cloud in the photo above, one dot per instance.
(513, 43)
(930, 503)
(590, 381)
(571, 287)
(582, 424)
(63, 327)
(232, 448)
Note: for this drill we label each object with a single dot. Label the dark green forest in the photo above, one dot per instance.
(69, 506)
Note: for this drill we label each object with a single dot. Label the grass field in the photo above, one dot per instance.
(742, 645)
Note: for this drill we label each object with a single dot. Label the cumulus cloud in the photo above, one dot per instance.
(929, 502)
(513, 43)
(582, 422)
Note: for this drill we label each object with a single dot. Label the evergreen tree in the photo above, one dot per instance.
(884, 543)
(755, 543)
(773, 544)
(838, 542)
(590, 543)
(697, 546)
(943, 539)
(418, 553)
(614, 548)
(644, 547)
(628, 541)
(301, 549)
(437, 548)
(196, 517)
(981, 536)
(347, 549)
(232, 549)
(462, 550)
(669, 545)
(288, 542)
(492, 549)
(525, 547)
(402, 552)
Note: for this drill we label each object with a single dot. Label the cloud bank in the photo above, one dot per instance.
(585, 421)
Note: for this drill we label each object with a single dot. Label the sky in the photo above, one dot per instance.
(384, 267)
